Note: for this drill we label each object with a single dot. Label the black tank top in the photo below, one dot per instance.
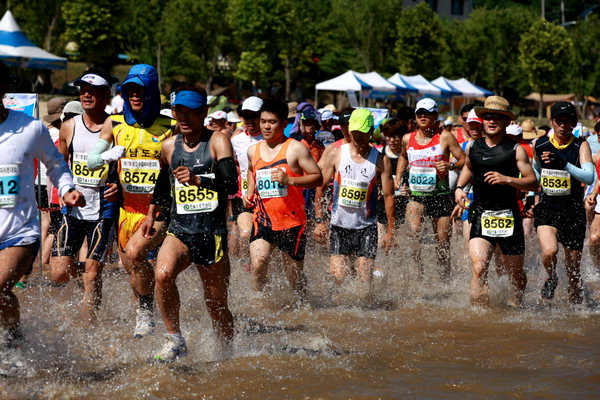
(200, 161)
(571, 154)
(502, 159)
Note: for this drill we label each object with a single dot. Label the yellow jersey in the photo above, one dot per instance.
(139, 167)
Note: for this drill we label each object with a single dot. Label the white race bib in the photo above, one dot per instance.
(353, 193)
(267, 188)
(9, 185)
(195, 199)
(139, 176)
(555, 182)
(422, 179)
(497, 223)
(83, 176)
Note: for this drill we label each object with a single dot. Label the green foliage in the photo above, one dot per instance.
(93, 27)
(43, 28)
(486, 48)
(193, 34)
(585, 69)
(365, 26)
(420, 44)
(141, 30)
(546, 51)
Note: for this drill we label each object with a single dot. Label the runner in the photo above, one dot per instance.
(137, 134)
(357, 168)
(425, 152)
(93, 222)
(474, 126)
(309, 125)
(22, 139)
(279, 169)
(563, 163)
(494, 163)
(199, 170)
(241, 229)
(218, 122)
(393, 130)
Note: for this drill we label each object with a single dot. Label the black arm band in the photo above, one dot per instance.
(227, 175)
(162, 191)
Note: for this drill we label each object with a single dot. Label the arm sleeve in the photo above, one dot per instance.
(537, 169)
(94, 159)
(57, 169)
(584, 174)
(162, 191)
(226, 177)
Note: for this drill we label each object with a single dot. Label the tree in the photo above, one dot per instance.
(485, 47)
(585, 69)
(420, 44)
(195, 34)
(93, 29)
(365, 27)
(42, 28)
(545, 54)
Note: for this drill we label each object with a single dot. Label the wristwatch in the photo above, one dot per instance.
(452, 166)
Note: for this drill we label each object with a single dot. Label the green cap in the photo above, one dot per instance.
(361, 120)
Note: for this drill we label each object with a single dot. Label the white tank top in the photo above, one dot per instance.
(240, 143)
(355, 191)
(89, 183)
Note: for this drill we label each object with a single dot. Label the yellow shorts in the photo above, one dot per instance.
(129, 223)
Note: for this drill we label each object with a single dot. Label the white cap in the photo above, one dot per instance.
(473, 117)
(448, 122)
(207, 121)
(427, 104)
(167, 112)
(514, 130)
(326, 114)
(231, 117)
(252, 103)
(218, 115)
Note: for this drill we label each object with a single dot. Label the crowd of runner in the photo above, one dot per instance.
(176, 187)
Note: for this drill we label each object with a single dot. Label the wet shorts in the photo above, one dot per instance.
(237, 207)
(291, 241)
(400, 203)
(129, 223)
(510, 246)
(357, 242)
(73, 232)
(569, 221)
(203, 249)
(435, 206)
(55, 219)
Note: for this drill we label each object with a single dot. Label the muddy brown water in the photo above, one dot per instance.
(412, 339)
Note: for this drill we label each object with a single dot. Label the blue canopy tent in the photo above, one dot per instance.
(18, 51)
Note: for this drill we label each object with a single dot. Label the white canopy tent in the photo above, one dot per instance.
(346, 82)
(376, 81)
(422, 85)
(462, 86)
(17, 50)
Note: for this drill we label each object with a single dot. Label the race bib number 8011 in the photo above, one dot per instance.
(268, 188)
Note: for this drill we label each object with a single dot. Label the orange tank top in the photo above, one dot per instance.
(279, 206)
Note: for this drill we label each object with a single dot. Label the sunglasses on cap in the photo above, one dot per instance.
(422, 111)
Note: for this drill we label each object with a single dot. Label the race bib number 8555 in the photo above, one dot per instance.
(195, 199)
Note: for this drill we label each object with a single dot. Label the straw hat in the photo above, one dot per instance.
(495, 105)
(529, 131)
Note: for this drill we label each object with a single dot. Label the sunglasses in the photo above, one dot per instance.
(495, 117)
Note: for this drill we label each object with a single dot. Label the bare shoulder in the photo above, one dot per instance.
(67, 126)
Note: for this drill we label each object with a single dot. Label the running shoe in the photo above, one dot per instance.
(171, 350)
(547, 292)
(144, 323)
(21, 285)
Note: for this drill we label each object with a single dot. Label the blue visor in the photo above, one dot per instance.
(189, 98)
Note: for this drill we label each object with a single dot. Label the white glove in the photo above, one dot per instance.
(113, 154)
